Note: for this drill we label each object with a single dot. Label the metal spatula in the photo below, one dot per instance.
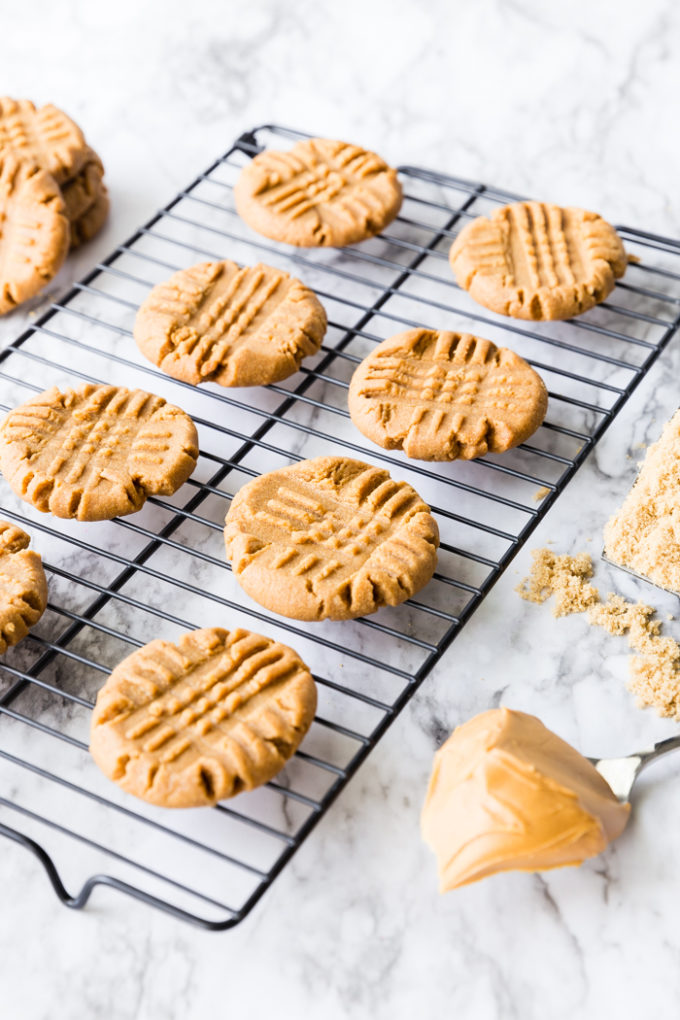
(621, 773)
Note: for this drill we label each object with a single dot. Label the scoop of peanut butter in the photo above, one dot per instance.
(508, 794)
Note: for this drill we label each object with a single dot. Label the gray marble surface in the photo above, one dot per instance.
(574, 103)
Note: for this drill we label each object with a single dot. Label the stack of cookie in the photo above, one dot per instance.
(52, 196)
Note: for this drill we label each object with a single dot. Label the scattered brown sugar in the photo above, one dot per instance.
(645, 533)
(655, 670)
(565, 577)
(541, 493)
(655, 666)
(618, 616)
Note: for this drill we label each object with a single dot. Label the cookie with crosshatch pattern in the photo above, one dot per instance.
(45, 136)
(236, 326)
(23, 588)
(96, 452)
(320, 192)
(34, 230)
(330, 538)
(442, 396)
(534, 260)
(191, 723)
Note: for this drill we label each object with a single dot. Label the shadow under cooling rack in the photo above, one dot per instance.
(115, 585)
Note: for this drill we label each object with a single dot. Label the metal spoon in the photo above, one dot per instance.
(621, 773)
(634, 573)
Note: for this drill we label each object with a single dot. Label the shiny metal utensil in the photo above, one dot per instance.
(634, 573)
(621, 773)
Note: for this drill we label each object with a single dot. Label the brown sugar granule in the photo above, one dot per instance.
(645, 533)
(655, 669)
(618, 617)
(655, 666)
(565, 577)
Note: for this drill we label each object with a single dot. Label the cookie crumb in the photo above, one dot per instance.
(565, 577)
(541, 493)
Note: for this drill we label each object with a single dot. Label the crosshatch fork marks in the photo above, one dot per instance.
(188, 724)
(96, 452)
(330, 537)
(45, 136)
(534, 260)
(442, 395)
(321, 192)
(23, 587)
(234, 326)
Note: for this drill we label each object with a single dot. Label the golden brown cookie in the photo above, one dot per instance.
(217, 322)
(44, 136)
(188, 724)
(34, 230)
(320, 192)
(23, 588)
(533, 260)
(440, 395)
(330, 538)
(96, 452)
(81, 191)
(92, 220)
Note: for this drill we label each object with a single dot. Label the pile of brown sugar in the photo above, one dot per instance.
(644, 535)
(655, 666)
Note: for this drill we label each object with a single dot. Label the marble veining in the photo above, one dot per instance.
(573, 104)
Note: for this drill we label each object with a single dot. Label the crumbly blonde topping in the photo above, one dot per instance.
(645, 533)
(565, 577)
(654, 668)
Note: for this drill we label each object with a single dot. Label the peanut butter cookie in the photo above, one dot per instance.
(218, 322)
(23, 588)
(81, 191)
(87, 225)
(533, 260)
(87, 200)
(189, 724)
(34, 230)
(96, 452)
(44, 136)
(440, 395)
(320, 192)
(330, 538)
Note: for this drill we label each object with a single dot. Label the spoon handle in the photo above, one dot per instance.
(670, 744)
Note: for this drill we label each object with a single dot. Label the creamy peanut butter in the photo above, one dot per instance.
(508, 794)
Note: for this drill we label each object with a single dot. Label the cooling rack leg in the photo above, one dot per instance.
(80, 901)
(48, 864)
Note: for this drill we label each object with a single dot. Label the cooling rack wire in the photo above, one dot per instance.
(116, 585)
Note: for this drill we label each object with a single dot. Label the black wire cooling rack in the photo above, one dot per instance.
(115, 585)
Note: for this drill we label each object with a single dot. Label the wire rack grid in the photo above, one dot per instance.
(115, 585)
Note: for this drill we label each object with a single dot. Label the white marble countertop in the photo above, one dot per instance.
(576, 103)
